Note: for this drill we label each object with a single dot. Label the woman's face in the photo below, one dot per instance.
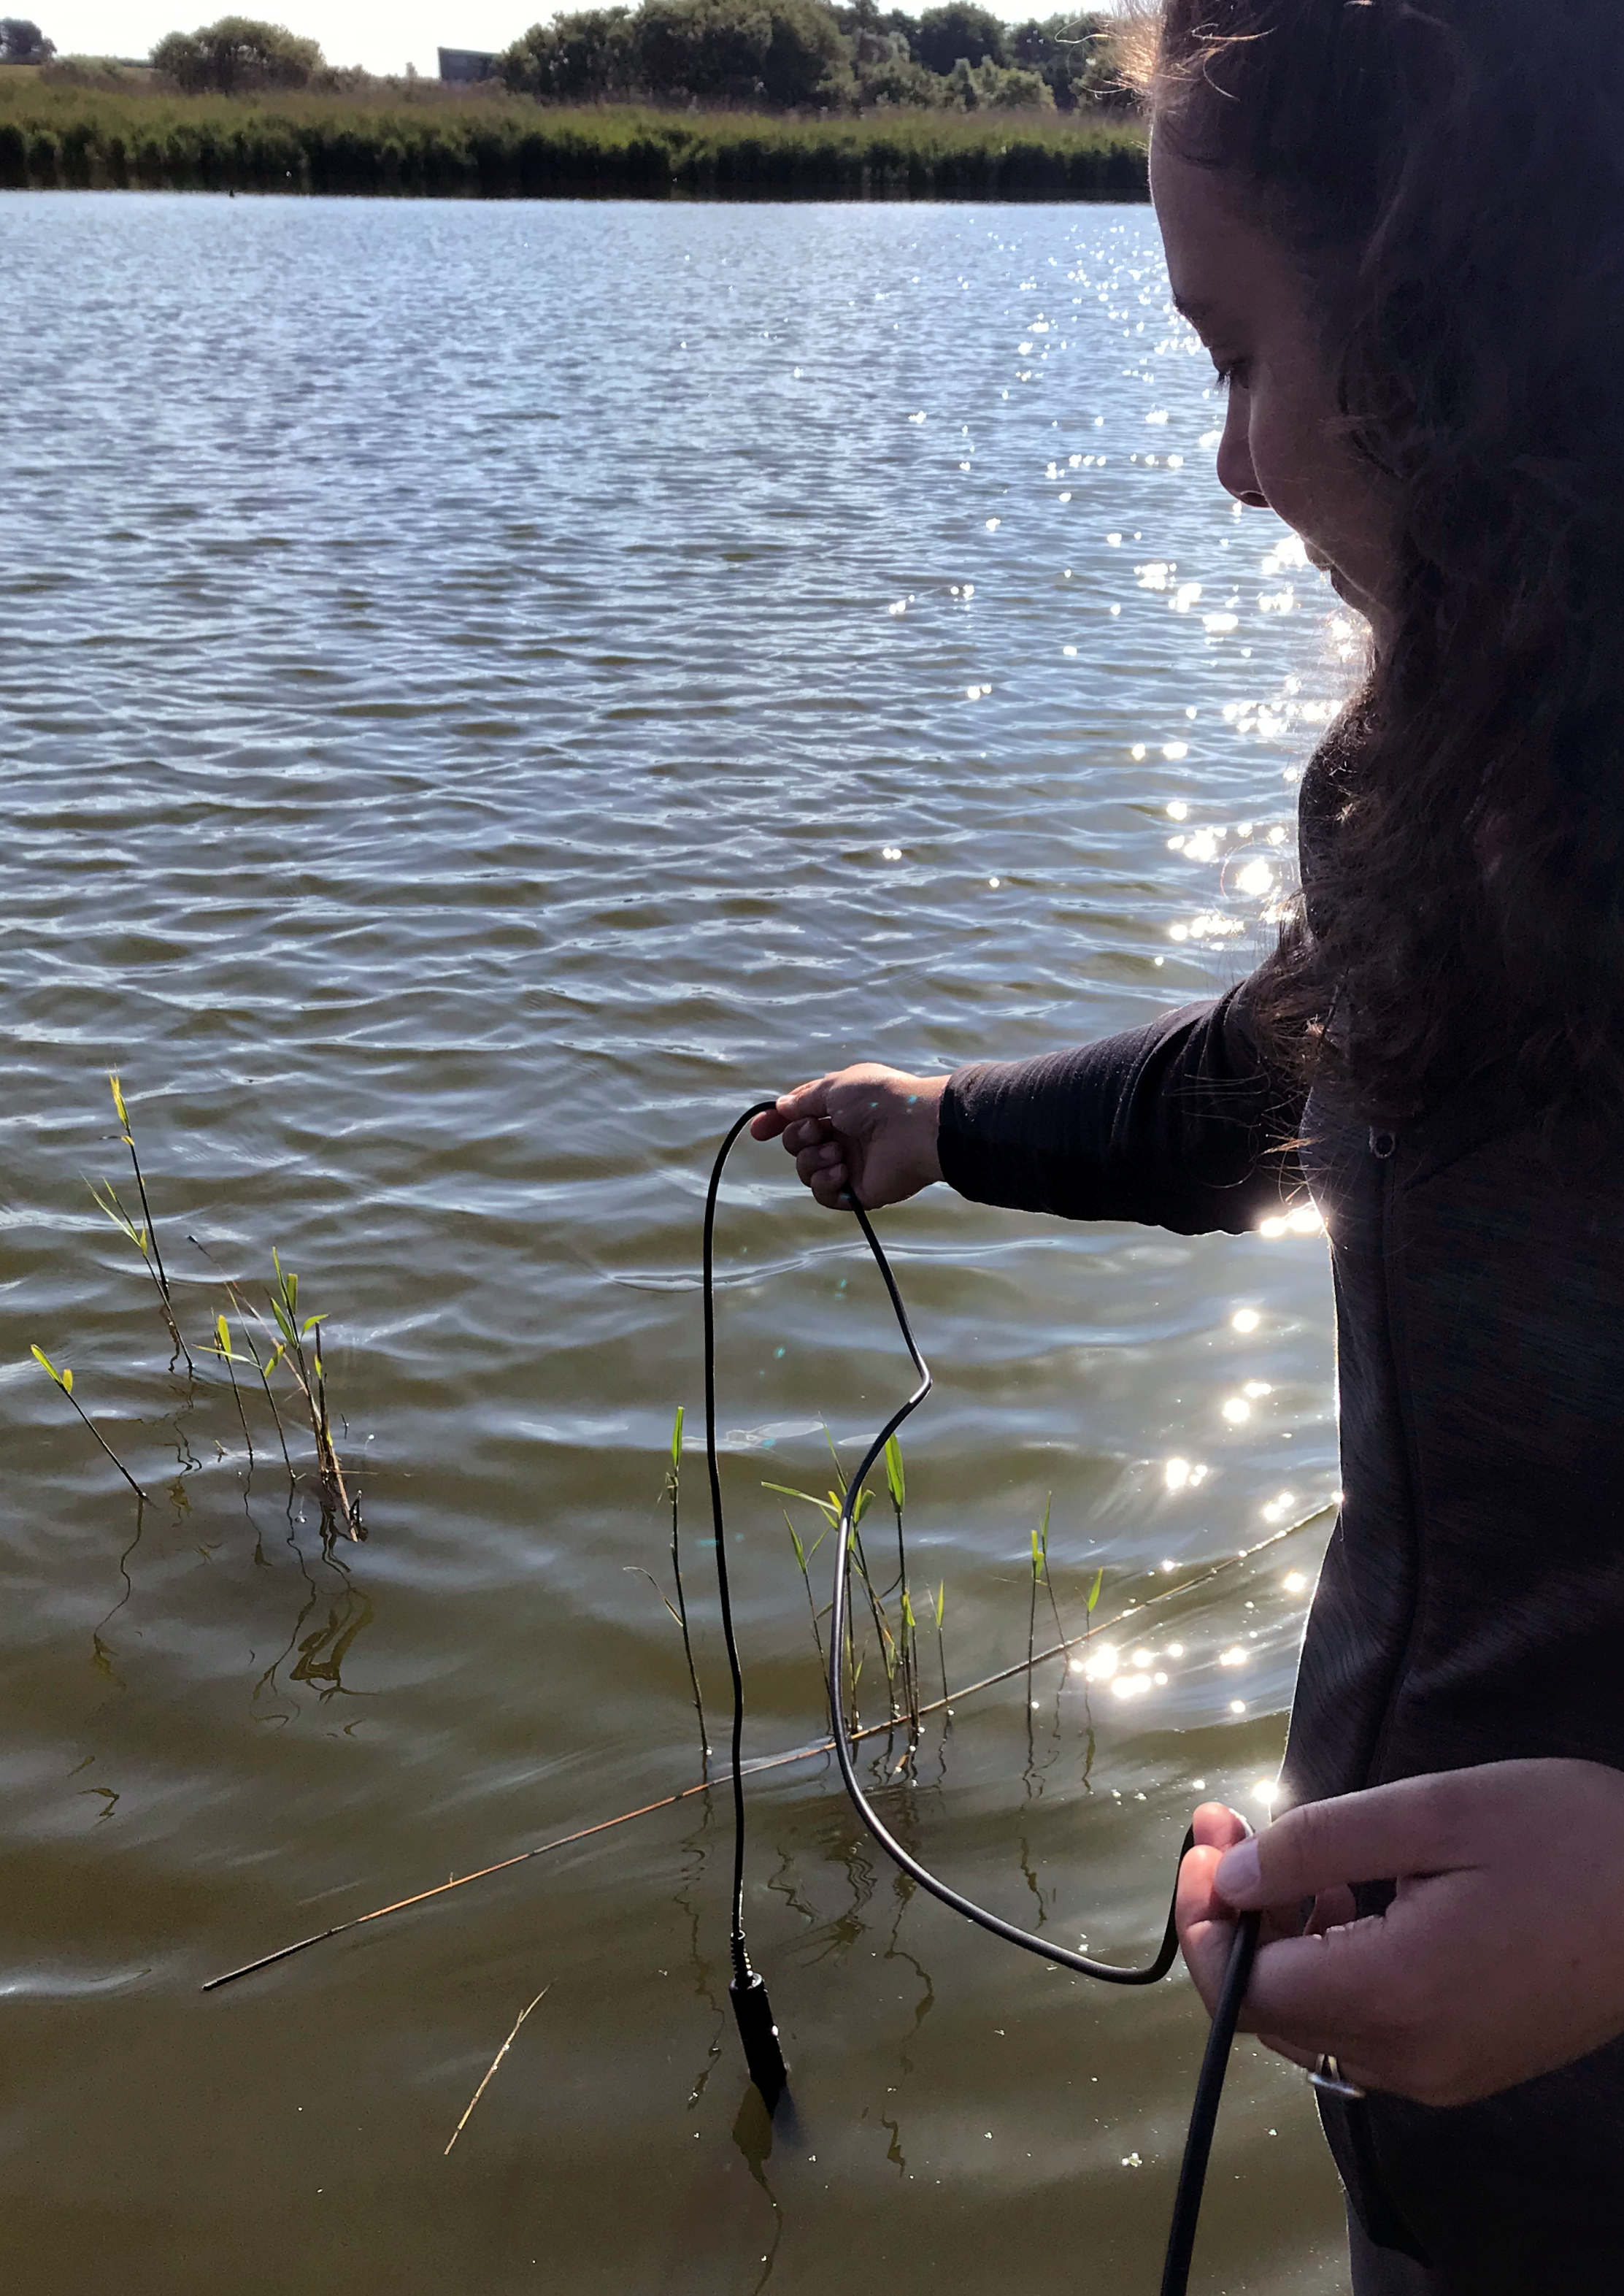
(1283, 445)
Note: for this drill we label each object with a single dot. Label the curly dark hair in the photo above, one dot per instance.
(1450, 173)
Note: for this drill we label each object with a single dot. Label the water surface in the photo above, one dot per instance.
(489, 691)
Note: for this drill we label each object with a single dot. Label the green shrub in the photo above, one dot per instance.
(959, 33)
(235, 55)
(995, 87)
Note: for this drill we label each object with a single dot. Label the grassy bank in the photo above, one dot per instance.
(491, 146)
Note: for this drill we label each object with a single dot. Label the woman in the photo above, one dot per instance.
(1400, 231)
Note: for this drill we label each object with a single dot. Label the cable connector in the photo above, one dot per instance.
(753, 2013)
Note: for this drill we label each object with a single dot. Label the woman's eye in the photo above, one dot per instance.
(1232, 377)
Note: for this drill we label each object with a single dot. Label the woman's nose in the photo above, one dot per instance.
(1235, 473)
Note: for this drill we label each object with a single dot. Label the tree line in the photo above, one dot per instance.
(21, 41)
(840, 55)
(832, 55)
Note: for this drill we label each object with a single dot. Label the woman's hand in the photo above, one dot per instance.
(869, 1129)
(1501, 1957)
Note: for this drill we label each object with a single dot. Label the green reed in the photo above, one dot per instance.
(63, 1381)
(489, 144)
(1040, 1578)
(673, 1491)
(286, 1336)
(308, 1374)
(831, 1507)
(222, 1348)
(288, 1343)
(896, 1484)
(803, 1556)
(144, 1235)
(897, 1641)
(293, 1344)
(263, 1367)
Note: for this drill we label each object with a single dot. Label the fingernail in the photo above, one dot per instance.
(1238, 1872)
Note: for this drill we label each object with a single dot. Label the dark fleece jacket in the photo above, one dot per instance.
(1470, 1608)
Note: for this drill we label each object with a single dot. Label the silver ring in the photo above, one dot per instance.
(1328, 2078)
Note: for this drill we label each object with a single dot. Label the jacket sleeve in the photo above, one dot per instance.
(1177, 1124)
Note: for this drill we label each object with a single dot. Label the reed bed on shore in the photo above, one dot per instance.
(488, 146)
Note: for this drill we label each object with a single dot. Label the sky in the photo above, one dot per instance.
(384, 36)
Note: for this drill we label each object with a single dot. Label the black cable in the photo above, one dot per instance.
(1203, 2116)
(1204, 2111)
(1107, 1971)
(741, 1961)
(758, 2034)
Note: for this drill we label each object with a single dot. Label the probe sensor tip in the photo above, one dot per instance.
(753, 2013)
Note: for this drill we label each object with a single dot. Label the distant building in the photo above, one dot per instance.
(466, 65)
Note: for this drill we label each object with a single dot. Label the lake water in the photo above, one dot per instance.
(489, 690)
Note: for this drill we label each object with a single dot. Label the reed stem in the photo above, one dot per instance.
(803, 1555)
(673, 1483)
(146, 1237)
(896, 1487)
(494, 2062)
(63, 1381)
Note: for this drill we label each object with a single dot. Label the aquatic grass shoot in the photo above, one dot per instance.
(1040, 1578)
(306, 1366)
(803, 1556)
(286, 1339)
(898, 1643)
(674, 1491)
(145, 1236)
(679, 1608)
(309, 1376)
(830, 1507)
(222, 1348)
(886, 1640)
(896, 1484)
(63, 1381)
(263, 1368)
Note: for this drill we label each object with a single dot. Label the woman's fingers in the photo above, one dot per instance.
(1323, 1988)
(1500, 1955)
(1205, 1940)
(814, 1133)
(1307, 1992)
(810, 1100)
(823, 1160)
(1217, 1826)
(1205, 1922)
(826, 1181)
(1416, 1826)
(864, 1134)
(1332, 1909)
